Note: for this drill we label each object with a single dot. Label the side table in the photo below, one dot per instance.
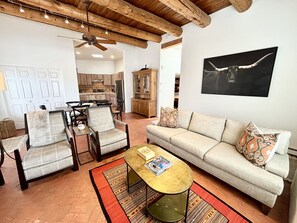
(86, 131)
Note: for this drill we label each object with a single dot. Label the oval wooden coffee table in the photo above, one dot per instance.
(174, 184)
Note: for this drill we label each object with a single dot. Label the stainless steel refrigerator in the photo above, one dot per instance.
(120, 91)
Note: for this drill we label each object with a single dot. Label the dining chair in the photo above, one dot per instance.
(50, 147)
(106, 136)
(79, 114)
(119, 109)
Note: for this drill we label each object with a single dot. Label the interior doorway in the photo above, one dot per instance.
(170, 64)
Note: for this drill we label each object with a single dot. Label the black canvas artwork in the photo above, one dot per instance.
(246, 74)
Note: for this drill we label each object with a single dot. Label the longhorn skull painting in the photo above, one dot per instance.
(247, 74)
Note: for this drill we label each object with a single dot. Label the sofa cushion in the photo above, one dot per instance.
(164, 132)
(193, 143)
(279, 165)
(233, 131)
(283, 139)
(207, 125)
(184, 118)
(168, 118)
(225, 157)
(257, 148)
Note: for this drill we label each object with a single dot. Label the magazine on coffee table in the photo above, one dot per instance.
(158, 165)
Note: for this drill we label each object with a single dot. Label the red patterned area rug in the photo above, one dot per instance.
(119, 206)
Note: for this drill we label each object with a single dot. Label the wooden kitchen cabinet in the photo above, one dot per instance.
(78, 79)
(145, 92)
(107, 79)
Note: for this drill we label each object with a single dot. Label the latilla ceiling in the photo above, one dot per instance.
(132, 22)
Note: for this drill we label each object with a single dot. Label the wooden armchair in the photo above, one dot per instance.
(105, 137)
(50, 147)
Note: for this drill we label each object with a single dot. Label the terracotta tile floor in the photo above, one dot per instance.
(69, 196)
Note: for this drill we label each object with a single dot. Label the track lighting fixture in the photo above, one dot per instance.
(66, 21)
(82, 25)
(45, 15)
(21, 9)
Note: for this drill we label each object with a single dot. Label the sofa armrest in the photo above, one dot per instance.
(155, 122)
(279, 165)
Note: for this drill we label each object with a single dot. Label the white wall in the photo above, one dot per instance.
(31, 44)
(95, 67)
(170, 65)
(135, 59)
(119, 65)
(267, 23)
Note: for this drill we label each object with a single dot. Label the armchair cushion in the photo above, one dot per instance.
(39, 156)
(38, 126)
(111, 136)
(45, 128)
(100, 119)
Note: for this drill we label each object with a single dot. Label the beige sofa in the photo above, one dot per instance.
(209, 143)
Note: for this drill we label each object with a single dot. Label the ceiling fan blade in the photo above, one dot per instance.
(100, 46)
(67, 37)
(106, 41)
(81, 44)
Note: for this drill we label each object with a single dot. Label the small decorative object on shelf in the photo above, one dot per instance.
(145, 153)
(145, 68)
(81, 126)
(158, 165)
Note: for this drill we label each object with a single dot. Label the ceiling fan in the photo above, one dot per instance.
(91, 39)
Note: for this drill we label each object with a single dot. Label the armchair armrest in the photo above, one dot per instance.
(119, 122)
(68, 133)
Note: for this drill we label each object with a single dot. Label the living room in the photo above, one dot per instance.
(266, 24)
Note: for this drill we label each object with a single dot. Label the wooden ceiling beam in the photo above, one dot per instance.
(189, 10)
(241, 5)
(140, 15)
(80, 14)
(38, 16)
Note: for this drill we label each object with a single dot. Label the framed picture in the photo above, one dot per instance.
(246, 74)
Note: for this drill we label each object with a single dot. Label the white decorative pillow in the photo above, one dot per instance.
(256, 147)
(168, 118)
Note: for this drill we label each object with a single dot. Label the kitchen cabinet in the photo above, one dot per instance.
(107, 79)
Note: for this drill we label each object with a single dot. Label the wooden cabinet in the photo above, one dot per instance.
(107, 79)
(85, 79)
(145, 92)
(144, 107)
(113, 79)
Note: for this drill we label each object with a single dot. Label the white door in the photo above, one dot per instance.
(56, 87)
(27, 88)
(50, 85)
(43, 87)
(21, 95)
(28, 84)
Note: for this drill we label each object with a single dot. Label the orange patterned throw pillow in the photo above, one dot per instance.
(256, 147)
(168, 118)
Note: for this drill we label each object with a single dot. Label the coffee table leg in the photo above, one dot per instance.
(187, 203)
(146, 201)
(128, 178)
